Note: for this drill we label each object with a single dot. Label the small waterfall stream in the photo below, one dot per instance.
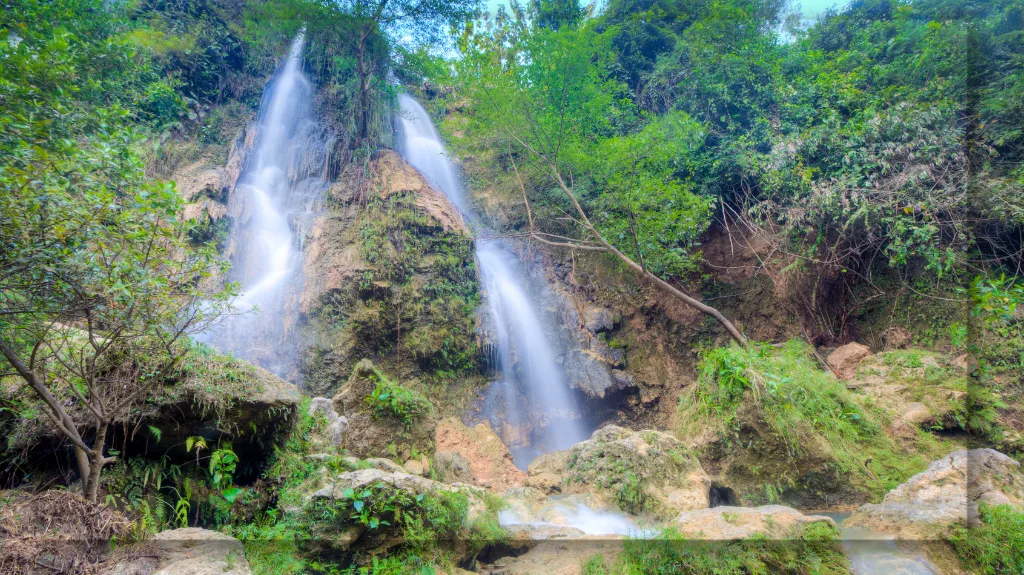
(533, 388)
(279, 192)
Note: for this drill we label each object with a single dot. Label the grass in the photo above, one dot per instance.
(817, 552)
(996, 545)
(810, 413)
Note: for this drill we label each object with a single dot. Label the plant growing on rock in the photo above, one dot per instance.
(388, 399)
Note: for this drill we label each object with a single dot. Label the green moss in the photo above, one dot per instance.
(796, 413)
(995, 545)
(389, 399)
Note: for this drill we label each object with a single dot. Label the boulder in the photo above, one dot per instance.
(490, 463)
(730, 523)
(415, 467)
(194, 551)
(385, 465)
(336, 424)
(917, 413)
(846, 358)
(451, 467)
(946, 493)
(599, 319)
(547, 471)
(413, 485)
(649, 471)
(897, 337)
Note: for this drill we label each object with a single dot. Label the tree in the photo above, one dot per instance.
(99, 287)
(548, 96)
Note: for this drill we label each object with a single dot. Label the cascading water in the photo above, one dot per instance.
(280, 189)
(533, 387)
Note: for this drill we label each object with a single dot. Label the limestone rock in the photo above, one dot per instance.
(897, 337)
(729, 523)
(451, 467)
(917, 414)
(393, 175)
(194, 551)
(319, 405)
(490, 462)
(599, 319)
(944, 494)
(415, 467)
(547, 471)
(668, 476)
(412, 484)
(846, 357)
(337, 430)
(385, 465)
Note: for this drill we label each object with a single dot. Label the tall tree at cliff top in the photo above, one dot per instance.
(98, 283)
(358, 37)
(548, 96)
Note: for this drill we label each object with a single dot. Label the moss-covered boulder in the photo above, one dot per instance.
(640, 471)
(383, 416)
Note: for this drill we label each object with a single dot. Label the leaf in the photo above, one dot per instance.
(156, 432)
(374, 522)
(231, 493)
(358, 504)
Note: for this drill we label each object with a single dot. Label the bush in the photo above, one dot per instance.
(390, 399)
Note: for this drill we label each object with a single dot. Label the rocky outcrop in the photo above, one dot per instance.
(452, 467)
(845, 358)
(366, 435)
(730, 523)
(336, 425)
(945, 494)
(646, 471)
(392, 175)
(194, 551)
(919, 389)
(490, 463)
(412, 485)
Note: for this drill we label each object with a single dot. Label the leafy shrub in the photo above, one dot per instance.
(390, 399)
(803, 407)
(631, 495)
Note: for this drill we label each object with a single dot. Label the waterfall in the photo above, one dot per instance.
(277, 195)
(533, 390)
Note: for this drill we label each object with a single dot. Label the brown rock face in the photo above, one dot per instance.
(490, 463)
(391, 175)
(845, 358)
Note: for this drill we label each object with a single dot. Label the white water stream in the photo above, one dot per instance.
(533, 388)
(277, 195)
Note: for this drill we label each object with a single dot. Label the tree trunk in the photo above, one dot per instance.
(91, 484)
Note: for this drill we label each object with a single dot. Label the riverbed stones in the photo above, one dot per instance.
(846, 358)
(194, 551)
(731, 523)
(945, 494)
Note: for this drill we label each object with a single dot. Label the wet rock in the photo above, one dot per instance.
(194, 551)
(490, 462)
(337, 430)
(622, 379)
(615, 357)
(588, 372)
(846, 358)
(730, 523)
(946, 493)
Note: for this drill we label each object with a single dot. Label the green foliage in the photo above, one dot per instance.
(995, 545)
(631, 495)
(816, 552)
(804, 409)
(390, 399)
